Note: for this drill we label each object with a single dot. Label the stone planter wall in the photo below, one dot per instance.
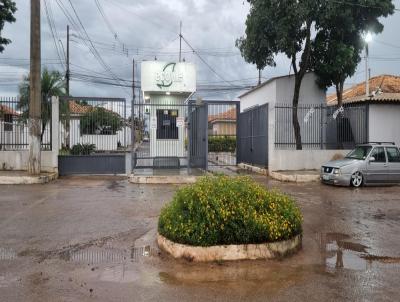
(230, 252)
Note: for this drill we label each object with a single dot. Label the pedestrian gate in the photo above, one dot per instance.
(253, 136)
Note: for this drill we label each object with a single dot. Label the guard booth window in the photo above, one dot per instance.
(166, 124)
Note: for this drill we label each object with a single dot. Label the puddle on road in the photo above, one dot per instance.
(339, 252)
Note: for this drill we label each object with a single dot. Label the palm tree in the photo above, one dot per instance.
(53, 84)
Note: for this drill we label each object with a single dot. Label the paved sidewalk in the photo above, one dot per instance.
(22, 177)
(300, 176)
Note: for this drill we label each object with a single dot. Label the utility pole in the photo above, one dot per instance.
(366, 71)
(133, 156)
(35, 98)
(180, 42)
(259, 77)
(67, 75)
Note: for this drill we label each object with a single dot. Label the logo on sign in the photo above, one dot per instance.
(168, 76)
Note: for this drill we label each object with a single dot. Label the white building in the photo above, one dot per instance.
(277, 92)
(166, 87)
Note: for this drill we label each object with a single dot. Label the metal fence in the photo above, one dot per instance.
(14, 131)
(322, 127)
(93, 125)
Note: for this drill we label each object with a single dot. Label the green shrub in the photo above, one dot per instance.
(83, 149)
(219, 210)
(221, 143)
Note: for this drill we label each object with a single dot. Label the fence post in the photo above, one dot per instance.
(321, 133)
(55, 130)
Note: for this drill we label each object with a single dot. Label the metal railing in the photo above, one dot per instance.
(14, 131)
(90, 125)
(321, 127)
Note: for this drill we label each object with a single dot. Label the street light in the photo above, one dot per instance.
(367, 39)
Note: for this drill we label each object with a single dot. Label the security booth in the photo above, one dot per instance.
(166, 89)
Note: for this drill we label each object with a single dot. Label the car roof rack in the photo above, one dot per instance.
(379, 143)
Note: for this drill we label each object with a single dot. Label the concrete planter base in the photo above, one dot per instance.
(231, 252)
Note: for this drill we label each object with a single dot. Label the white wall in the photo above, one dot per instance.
(384, 123)
(258, 97)
(18, 160)
(291, 160)
(310, 93)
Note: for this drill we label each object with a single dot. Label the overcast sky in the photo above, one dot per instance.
(149, 28)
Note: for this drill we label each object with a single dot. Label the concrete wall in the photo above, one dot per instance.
(290, 160)
(384, 123)
(258, 97)
(310, 93)
(18, 159)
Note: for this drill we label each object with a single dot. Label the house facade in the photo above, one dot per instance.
(382, 105)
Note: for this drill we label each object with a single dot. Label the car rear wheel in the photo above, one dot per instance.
(357, 179)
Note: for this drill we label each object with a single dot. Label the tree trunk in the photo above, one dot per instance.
(339, 121)
(295, 118)
(339, 93)
(299, 75)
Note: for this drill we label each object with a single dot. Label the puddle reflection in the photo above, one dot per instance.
(339, 252)
(7, 254)
(97, 255)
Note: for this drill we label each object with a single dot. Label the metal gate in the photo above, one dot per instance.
(194, 134)
(198, 147)
(94, 136)
(253, 136)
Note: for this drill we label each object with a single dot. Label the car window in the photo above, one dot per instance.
(379, 154)
(393, 155)
(360, 152)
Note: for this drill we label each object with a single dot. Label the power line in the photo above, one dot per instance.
(54, 34)
(90, 44)
(205, 62)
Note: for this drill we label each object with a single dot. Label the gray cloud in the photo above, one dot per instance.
(152, 27)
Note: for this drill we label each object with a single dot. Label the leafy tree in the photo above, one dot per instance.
(284, 26)
(100, 121)
(307, 28)
(7, 11)
(338, 44)
(53, 84)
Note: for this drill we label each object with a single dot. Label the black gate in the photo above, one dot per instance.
(198, 147)
(253, 136)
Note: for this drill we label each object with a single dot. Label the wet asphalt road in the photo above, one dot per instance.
(93, 239)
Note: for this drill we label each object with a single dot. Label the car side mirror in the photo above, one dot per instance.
(371, 159)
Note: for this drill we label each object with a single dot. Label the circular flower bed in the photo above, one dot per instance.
(221, 210)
